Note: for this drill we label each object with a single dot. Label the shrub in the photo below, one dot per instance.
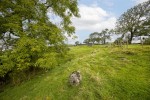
(147, 41)
(27, 54)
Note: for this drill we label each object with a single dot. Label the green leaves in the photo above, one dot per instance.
(47, 61)
(99, 37)
(6, 64)
(135, 20)
(38, 41)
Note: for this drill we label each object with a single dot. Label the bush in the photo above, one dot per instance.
(6, 63)
(147, 41)
(47, 61)
(27, 54)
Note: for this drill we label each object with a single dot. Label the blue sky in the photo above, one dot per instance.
(97, 15)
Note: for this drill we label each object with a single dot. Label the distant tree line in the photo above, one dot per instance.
(99, 37)
(134, 22)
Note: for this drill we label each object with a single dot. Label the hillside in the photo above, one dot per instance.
(108, 74)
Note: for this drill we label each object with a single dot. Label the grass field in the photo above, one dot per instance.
(108, 74)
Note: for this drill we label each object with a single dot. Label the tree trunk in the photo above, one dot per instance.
(104, 41)
(130, 39)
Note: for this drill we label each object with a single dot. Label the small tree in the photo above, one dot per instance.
(86, 41)
(77, 43)
(93, 37)
(147, 41)
(105, 35)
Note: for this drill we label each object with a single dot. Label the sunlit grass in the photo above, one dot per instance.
(108, 73)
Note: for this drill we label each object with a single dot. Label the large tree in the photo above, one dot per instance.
(28, 29)
(135, 21)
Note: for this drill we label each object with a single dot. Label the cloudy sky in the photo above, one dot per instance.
(99, 14)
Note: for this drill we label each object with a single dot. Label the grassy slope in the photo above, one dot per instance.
(108, 73)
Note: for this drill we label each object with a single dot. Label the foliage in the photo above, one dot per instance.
(29, 36)
(99, 37)
(47, 61)
(5, 67)
(105, 34)
(86, 41)
(117, 41)
(135, 20)
(93, 37)
(147, 41)
(77, 42)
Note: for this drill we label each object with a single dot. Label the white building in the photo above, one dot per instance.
(139, 39)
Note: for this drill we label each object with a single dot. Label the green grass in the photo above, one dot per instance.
(108, 74)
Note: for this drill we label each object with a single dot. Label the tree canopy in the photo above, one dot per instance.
(77, 43)
(29, 18)
(29, 35)
(135, 20)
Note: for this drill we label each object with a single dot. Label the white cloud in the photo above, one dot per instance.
(139, 1)
(93, 18)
